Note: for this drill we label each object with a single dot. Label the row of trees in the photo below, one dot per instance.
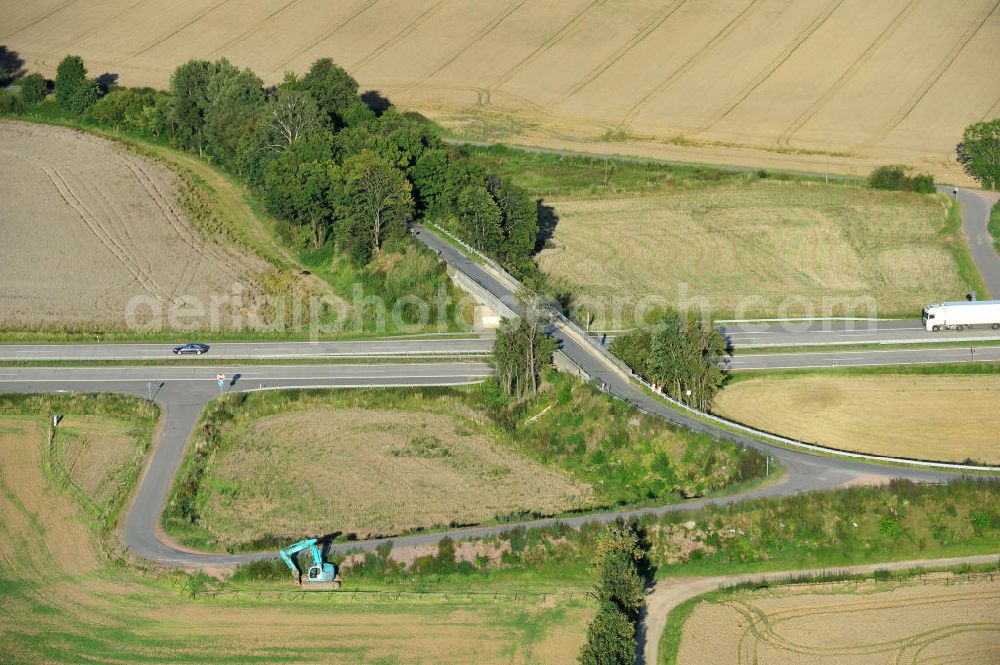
(681, 355)
(316, 153)
(618, 566)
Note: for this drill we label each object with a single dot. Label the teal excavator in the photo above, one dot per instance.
(320, 576)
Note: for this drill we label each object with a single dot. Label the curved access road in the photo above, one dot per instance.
(976, 206)
(182, 393)
(671, 592)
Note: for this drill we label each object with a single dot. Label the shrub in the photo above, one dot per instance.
(895, 178)
(34, 88)
(9, 103)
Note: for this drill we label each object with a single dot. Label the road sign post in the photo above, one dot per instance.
(221, 378)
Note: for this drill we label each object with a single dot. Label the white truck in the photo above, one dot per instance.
(959, 315)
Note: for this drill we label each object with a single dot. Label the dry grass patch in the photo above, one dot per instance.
(760, 247)
(95, 451)
(880, 82)
(849, 623)
(95, 237)
(61, 602)
(370, 472)
(936, 417)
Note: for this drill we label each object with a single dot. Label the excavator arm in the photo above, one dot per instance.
(290, 551)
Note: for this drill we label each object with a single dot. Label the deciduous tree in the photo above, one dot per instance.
(379, 197)
(979, 152)
(74, 91)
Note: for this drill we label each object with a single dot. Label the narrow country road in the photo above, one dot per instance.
(182, 392)
(670, 592)
(976, 207)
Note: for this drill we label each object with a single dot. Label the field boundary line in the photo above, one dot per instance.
(720, 36)
(944, 65)
(771, 67)
(328, 33)
(649, 28)
(398, 37)
(786, 135)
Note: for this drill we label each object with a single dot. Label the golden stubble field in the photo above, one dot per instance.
(370, 473)
(816, 84)
(934, 417)
(61, 601)
(767, 247)
(93, 237)
(938, 620)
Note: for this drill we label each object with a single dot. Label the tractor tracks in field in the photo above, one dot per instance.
(395, 39)
(183, 26)
(479, 35)
(39, 19)
(784, 139)
(326, 34)
(103, 236)
(199, 250)
(771, 68)
(665, 83)
(567, 28)
(761, 626)
(645, 31)
(943, 66)
(253, 28)
(668, 593)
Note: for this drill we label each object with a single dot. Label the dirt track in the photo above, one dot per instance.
(91, 229)
(669, 593)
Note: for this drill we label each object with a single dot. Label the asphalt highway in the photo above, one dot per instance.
(183, 392)
(876, 357)
(439, 346)
(764, 334)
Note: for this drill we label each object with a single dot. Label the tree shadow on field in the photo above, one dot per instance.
(11, 66)
(107, 80)
(547, 222)
(376, 101)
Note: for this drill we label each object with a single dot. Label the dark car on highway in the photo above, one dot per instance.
(191, 348)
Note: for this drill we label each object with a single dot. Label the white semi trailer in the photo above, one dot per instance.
(959, 315)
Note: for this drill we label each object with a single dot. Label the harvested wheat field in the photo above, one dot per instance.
(95, 238)
(368, 473)
(937, 620)
(60, 601)
(764, 248)
(839, 84)
(934, 417)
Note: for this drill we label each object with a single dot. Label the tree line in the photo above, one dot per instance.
(321, 159)
(621, 569)
(680, 355)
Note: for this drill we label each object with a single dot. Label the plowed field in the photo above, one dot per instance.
(94, 237)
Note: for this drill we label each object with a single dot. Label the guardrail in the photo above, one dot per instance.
(617, 365)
